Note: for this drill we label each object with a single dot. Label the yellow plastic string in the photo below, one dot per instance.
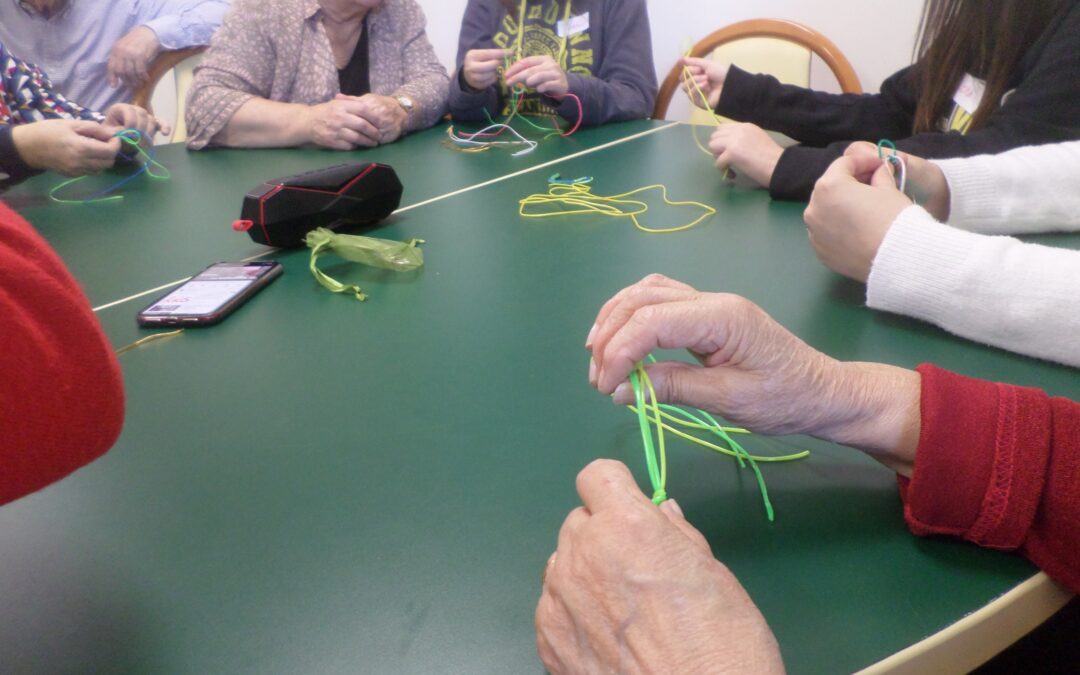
(696, 95)
(656, 453)
(149, 338)
(720, 449)
(640, 381)
(577, 198)
(520, 40)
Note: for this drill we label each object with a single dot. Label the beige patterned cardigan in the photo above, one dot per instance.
(278, 50)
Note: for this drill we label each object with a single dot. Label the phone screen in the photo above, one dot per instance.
(212, 294)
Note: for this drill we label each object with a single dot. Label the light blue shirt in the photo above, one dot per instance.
(73, 46)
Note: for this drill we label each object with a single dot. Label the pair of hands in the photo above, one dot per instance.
(82, 147)
(633, 588)
(350, 122)
(856, 201)
(740, 148)
(542, 73)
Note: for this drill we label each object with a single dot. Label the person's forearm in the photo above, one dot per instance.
(603, 102)
(882, 413)
(1029, 189)
(260, 123)
(467, 104)
(13, 167)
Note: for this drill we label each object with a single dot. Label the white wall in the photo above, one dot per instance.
(877, 37)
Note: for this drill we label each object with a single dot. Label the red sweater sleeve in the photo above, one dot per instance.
(61, 394)
(998, 465)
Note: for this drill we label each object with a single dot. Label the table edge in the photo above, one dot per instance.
(981, 635)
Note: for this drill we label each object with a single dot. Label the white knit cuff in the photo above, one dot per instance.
(915, 271)
(974, 191)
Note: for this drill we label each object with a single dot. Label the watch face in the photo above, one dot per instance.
(405, 102)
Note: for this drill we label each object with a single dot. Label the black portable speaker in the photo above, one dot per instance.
(282, 211)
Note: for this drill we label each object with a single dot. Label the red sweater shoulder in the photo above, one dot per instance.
(61, 396)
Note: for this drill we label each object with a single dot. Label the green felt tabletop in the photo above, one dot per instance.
(167, 230)
(318, 485)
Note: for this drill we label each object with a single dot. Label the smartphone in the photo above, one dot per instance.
(211, 295)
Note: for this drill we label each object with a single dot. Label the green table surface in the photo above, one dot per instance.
(319, 485)
(167, 230)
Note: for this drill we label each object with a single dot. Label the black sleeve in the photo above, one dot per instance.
(12, 167)
(816, 118)
(1043, 108)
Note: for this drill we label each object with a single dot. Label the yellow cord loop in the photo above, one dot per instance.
(567, 198)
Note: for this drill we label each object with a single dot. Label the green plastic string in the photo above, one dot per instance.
(898, 166)
(132, 138)
(397, 256)
(639, 380)
(667, 417)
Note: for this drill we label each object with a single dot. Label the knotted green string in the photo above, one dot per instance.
(397, 256)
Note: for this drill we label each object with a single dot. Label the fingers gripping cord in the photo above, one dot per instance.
(700, 101)
(475, 142)
(896, 162)
(667, 417)
(151, 167)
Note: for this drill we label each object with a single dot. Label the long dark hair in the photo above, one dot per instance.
(986, 38)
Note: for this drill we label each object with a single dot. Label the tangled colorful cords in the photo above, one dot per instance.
(132, 138)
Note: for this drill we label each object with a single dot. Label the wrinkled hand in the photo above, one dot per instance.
(709, 76)
(385, 114)
(751, 370)
(69, 147)
(926, 181)
(130, 56)
(541, 73)
(746, 150)
(481, 67)
(634, 588)
(853, 205)
(121, 116)
(342, 124)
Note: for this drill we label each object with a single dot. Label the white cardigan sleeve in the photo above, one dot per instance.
(1030, 189)
(992, 289)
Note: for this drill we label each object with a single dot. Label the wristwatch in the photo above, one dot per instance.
(405, 102)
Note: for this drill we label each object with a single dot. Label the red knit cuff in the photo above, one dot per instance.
(981, 461)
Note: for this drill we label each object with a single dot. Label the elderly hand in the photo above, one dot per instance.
(634, 588)
(130, 56)
(752, 371)
(481, 67)
(709, 76)
(342, 124)
(121, 116)
(541, 73)
(926, 181)
(69, 147)
(851, 210)
(385, 114)
(747, 150)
